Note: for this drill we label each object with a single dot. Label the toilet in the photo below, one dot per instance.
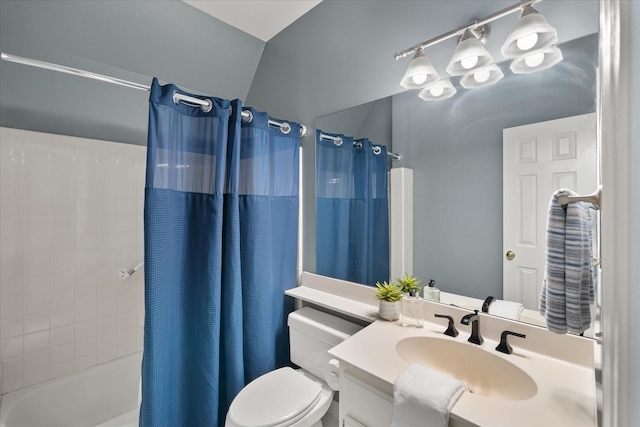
(298, 398)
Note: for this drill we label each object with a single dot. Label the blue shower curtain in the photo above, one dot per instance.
(220, 218)
(352, 210)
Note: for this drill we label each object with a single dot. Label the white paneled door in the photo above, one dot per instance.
(537, 160)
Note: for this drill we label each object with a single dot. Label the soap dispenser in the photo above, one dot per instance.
(431, 293)
(412, 310)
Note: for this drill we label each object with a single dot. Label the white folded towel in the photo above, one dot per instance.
(424, 397)
(508, 309)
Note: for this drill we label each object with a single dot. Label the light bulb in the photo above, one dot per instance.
(534, 60)
(527, 42)
(482, 75)
(437, 90)
(469, 62)
(419, 78)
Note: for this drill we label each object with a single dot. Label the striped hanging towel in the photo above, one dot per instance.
(567, 289)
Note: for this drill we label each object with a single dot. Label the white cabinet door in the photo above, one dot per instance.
(363, 404)
(537, 160)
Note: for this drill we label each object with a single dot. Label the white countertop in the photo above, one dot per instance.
(341, 304)
(562, 366)
(566, 391)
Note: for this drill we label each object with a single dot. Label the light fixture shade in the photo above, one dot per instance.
(468, 48)
(420, 73)
(482, 78)
(534, 27)
(444, 89)
(531, 64)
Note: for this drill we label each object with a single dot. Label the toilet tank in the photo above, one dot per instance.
(312, 333)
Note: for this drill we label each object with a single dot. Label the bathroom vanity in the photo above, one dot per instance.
(548, 380)
(525, 388)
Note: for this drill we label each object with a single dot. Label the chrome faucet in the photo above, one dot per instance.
(474, 318)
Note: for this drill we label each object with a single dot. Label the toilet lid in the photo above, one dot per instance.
(273, 399)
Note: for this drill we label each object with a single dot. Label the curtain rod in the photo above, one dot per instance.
(396, 157)
(205, 104)
(460, 30)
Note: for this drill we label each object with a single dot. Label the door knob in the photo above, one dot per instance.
(511, 255)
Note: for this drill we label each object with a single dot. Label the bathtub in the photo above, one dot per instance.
(105, 396)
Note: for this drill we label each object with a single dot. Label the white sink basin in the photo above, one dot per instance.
(483, 373)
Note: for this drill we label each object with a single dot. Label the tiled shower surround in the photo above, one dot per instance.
(70, 221)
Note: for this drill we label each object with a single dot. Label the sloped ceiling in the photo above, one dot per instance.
(262, 19)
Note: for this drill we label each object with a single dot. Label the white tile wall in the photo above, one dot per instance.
(70, 220)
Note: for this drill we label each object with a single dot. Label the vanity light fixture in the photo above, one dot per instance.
(441, 90)
(470, 54)
(531, 42)
(482, 78)
(530, 34)
(537, 61)
(420, 73)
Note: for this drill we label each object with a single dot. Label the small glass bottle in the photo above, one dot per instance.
(412, 310)
(431, 293)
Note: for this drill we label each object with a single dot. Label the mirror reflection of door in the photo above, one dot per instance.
(538, 159)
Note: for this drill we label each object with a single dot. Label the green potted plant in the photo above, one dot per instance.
(389, 296)
(406, 283)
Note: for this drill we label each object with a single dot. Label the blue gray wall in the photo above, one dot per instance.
(454, 147)
(337, 56)
(132, 40)
(371, 120)
(340, 55)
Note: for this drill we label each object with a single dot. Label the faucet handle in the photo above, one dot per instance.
(487, 302)
(451, 329)
(504, 346)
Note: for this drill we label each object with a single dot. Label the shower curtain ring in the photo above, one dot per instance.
(285, 128)
(376, 150)
(247, 116)
(208, 106)
(205, 104)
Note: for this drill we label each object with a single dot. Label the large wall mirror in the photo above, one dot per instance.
(455, 149)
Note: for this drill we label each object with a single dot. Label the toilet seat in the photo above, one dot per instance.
(279, 398)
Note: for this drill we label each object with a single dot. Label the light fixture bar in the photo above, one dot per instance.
(460, 30)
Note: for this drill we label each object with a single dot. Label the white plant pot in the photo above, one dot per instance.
(389, 310)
